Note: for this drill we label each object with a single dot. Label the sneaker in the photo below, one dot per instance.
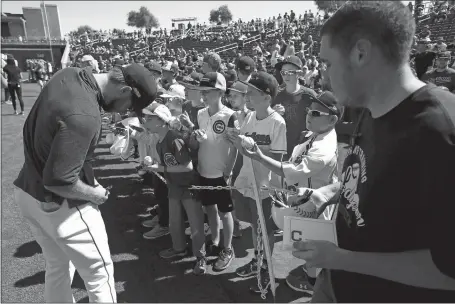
(171, 253)
(248, 270)
(201, 266)
(151, 223)
(212, 249)
(9, 102)
(207, 230)
(299, 280)
(278, 232)
(224, 259)
(22, 113)
(156, 232)
(237, 229)
(15, 112)
(265, 279)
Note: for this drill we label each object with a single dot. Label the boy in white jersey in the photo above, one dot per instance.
(236, 95)
(268, 130)
(216, 160)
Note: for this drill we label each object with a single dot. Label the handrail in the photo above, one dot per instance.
(252, 39)
(135, 51)
(221, 48)
(228, 49)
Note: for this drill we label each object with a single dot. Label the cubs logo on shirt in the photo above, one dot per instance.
(219, 126)
(170, 160)
(213, 153)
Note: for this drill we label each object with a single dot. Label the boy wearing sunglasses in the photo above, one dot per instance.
(294, 100)
(313, 164)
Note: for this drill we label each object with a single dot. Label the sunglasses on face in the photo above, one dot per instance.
(285, 73)
(316, 113)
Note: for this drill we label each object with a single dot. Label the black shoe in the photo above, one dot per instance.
(212, 249)
(224, 259)
(248, 270)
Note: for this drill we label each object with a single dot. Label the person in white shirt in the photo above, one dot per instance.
(313, 164)
(268, 129)
(216, 159)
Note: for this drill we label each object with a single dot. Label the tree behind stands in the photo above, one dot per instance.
(142, 19)
(221, 14)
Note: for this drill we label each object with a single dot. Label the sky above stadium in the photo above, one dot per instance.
(112, 14)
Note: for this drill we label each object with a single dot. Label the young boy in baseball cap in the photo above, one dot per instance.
(268, 130)
(216, 160)
(179, 174)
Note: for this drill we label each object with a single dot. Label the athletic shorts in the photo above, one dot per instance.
(246, 210)
(221, 198)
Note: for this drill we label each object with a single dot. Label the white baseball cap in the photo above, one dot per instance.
(87, 58)
(156, 109)
(175, 90)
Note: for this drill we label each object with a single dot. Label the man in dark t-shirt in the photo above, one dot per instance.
(14, 76)
(395, 214)
(442, 75)
(56, 189)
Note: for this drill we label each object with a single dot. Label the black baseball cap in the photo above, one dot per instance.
(246, 64)
(212, 81)
(264, 82)
(328, 101)
(294, 60)
(119, 62)
(143, 85)
(191, 81)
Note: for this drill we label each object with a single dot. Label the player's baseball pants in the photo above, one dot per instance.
(71, 239)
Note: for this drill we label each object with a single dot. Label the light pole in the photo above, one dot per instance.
(44, 13)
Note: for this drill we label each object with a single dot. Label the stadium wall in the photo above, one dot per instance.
(34, 22)
(23, 52)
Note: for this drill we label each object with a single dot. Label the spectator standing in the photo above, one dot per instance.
(14, 78)
(442, 75)
(390, 241)
(295, 99)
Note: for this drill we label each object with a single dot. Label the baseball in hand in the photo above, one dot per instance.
(148, 161)
(110, 138)
(247, 142)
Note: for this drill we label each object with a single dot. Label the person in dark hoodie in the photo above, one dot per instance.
(14, 76)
